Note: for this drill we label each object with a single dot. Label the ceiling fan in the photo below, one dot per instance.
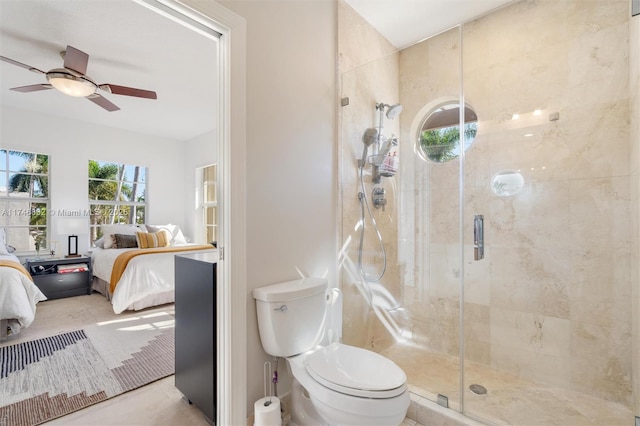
(71, 80)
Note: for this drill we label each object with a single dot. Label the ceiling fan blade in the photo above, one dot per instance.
(76, 60)
(32, 88)
(20, 64)
(128, 91)
(103, 102)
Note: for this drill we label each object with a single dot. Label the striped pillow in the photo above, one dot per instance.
(152, 240)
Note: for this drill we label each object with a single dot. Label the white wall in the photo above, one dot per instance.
(291, 165)
(200, 151)
(71, 144)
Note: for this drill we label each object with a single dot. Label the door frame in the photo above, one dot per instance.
(231, 316)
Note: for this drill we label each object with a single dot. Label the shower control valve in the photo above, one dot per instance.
(378, 197)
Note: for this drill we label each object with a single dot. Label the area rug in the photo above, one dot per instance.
(50, 377)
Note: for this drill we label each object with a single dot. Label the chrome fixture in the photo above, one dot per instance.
(382, 164)
(381, 145)
(370, 137)
(392, 110)
(378, 197)
(478, 237)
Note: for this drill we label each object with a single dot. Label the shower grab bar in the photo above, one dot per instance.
(478, 237)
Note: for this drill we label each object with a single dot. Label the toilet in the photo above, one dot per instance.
(333, 383)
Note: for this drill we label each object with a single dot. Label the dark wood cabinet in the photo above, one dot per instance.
(195, 307)
(54, 278)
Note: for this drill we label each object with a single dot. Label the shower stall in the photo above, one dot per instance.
(498, 263)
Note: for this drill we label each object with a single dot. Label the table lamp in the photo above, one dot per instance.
(72, 226)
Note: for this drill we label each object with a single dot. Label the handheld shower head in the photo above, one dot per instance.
(370, 136)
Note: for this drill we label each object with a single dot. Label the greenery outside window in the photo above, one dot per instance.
(117, 195)
(24, 199)
(439, 135)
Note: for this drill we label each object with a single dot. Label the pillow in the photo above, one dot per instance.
(99, 242)
(152, 239)
(10, 249)
(124, 241)
(176, 237)
(109, 230)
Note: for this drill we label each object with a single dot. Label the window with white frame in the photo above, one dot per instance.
(24, 199)
(117, 195)
(208, 204)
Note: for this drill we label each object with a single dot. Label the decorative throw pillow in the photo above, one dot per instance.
(175, 235)
(152, 239)
(124, 241)
(109, 230)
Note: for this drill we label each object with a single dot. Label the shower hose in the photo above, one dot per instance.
(362, 196)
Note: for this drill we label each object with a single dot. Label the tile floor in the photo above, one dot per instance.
(510, 400)
(157, 404)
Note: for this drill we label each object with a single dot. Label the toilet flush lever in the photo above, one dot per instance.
(282, 308)
(478, 237)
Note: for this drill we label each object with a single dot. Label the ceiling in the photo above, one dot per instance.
(405, 22)
(130, 45)
(156, 55)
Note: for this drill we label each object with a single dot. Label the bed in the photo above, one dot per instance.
(18, 296)
(134, 269)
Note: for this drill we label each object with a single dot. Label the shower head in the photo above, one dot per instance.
(392, 110)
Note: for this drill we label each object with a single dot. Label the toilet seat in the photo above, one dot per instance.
(356, 371)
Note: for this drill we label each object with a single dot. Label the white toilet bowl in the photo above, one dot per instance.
(349, 386)
(334, 384)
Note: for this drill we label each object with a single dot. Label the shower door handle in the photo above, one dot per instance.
(478, 237)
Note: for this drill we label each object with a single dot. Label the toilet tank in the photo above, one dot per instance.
(291, 315)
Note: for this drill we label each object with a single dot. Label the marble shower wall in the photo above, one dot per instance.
(557, 297)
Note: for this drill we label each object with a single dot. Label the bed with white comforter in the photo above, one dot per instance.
(18, 298)
(148, 279)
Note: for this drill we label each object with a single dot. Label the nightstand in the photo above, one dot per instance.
(58, 278)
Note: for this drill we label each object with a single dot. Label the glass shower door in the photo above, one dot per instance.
(546, 312)
(429, 219)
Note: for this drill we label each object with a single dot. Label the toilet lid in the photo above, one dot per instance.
(356, 371)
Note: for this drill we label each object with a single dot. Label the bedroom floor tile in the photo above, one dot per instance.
(159, 403)
(72, 313)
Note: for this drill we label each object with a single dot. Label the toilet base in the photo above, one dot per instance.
(303, 413)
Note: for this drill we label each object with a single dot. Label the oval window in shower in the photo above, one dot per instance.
(438, 138)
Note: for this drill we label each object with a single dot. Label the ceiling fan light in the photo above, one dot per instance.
(70, 84)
